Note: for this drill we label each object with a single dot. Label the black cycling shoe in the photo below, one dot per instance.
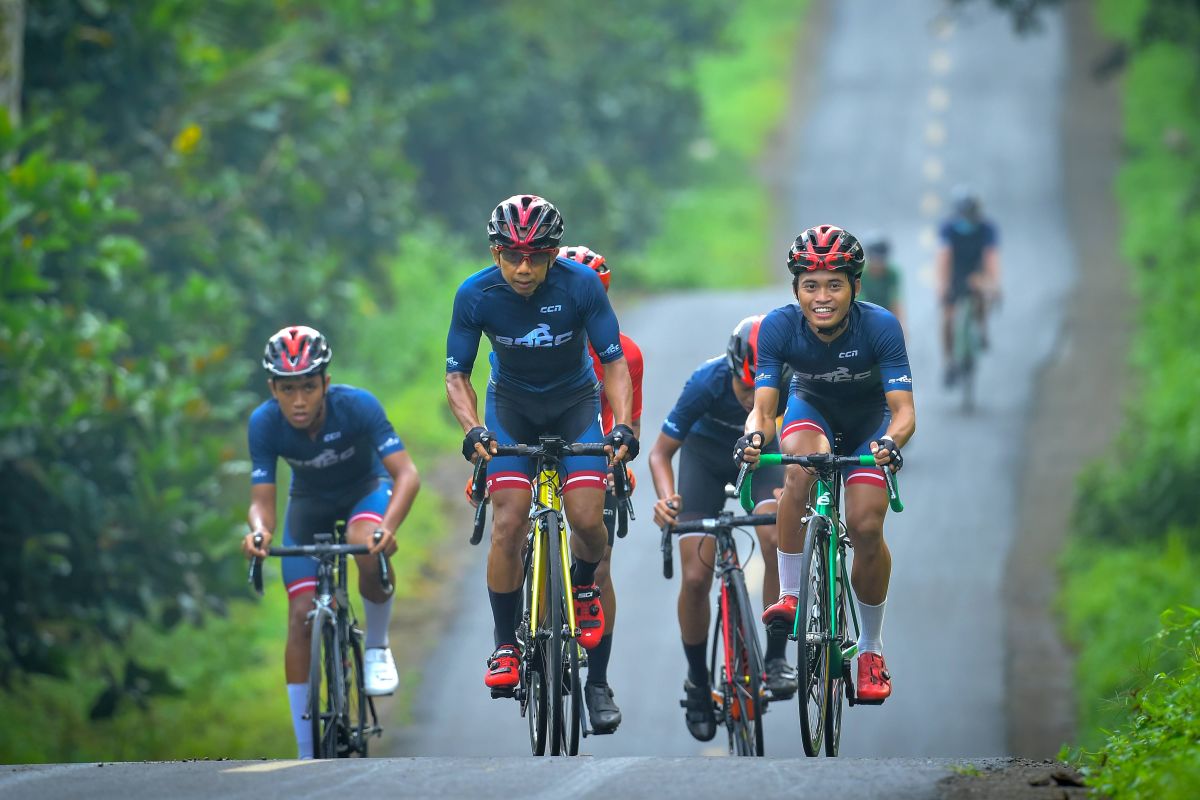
(602, 711)
(781, 679)
(699, 716)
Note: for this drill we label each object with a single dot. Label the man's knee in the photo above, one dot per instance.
(866, 530)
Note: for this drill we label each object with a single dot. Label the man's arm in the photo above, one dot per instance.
(406, 481)
(762, 418)
(942, 270)
(904, 416)
(618, 389)
(662, 474)
(261, 518)
(991, 269)
(464, 403)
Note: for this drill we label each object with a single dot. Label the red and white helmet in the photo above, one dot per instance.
(589, 258)
(525, 222)
(296, 350)
(826, 247)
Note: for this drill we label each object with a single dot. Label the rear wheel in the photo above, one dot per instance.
(812, 642)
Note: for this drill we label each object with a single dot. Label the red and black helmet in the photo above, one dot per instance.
(826, 247)
(741, 354)
(589, 258)
(525, 222)
(296, 350)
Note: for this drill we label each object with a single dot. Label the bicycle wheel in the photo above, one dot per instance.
(967, 346)
(533, 668)
(557, 658)
(812, 636)
(838, 666)
(323, 668)
(750, 669)
(358, 724)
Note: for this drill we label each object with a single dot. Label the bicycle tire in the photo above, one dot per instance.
(967, 339)
(533, 674)
(837, 668)
(754, 667)
(557, 686)
(575, 717)
(812, 629)
(322, 669)
(358, 725)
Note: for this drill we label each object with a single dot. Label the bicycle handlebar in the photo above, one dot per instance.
(708, 525)
(324, 549)
(819, 460)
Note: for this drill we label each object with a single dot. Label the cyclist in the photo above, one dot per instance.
(598, 695)
(881, 279)
(852, 376)
(347, 464)
(968, 268)
(704, 424)
(537, 310)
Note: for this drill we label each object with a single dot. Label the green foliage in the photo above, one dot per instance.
(1156, 754)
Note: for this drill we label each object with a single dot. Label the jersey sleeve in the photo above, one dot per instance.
(694, 402)
(376, 424)
(599, 320)
(772, 353)
(633, 354)
(891, 354)
(946, 232)
(462, 342)
(263, 454)
(991, 238)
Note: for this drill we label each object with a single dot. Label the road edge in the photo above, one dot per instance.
(1070, 419)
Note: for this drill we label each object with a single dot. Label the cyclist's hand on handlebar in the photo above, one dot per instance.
(259, 549)
(467, 492)
(622, 444)
(748, 448)
(630, 481)
(478, 443)
(666, 510)
(382, 540)
(886, 451)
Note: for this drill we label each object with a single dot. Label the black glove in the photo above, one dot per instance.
(889, 444)
(623, 435)
(477, 435)
(753, 439)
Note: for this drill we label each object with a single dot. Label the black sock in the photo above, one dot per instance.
(697, 665)
(504, 613)
(598, 660)
(776, 642)
(583, 573)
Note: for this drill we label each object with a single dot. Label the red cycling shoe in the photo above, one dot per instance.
(504, 668)
(783, 610)
(874, 680)
(589, 615)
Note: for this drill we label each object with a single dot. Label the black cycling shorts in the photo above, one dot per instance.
(706, 465)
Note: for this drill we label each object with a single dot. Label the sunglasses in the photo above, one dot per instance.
(536, 258)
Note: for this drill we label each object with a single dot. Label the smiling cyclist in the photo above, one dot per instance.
(347, 464)
(539, 312)
(852, 377)
(602, 708)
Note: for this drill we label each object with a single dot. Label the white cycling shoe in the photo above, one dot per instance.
(380, 672)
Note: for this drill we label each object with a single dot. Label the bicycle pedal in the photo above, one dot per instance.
(858, 702)
(498, 693)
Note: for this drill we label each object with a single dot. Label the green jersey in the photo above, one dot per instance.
(882, 290)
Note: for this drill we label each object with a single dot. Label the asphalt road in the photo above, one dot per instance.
(903, 104)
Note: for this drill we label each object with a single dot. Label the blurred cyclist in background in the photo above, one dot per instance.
(881, 279)
(968, 269)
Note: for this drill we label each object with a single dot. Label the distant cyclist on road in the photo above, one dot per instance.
(881, 279)
(852, 377)
(347, 464)
(968, 269)
(602, 708)
(703, 426)
(538, 312)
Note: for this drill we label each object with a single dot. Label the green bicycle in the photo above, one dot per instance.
(968, 344)
(827, 648)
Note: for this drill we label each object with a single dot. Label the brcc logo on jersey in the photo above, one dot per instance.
(611, 350)
(389, 442)
(901, 379)
(538, 337)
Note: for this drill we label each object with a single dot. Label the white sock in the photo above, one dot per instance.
(378, 615)
(870, 638)
(789, 572)
(298, 700)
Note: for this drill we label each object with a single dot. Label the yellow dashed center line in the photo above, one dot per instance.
(271, 766)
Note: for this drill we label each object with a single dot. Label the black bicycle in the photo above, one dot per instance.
(550, 690)
(344, 718)
(736, 665)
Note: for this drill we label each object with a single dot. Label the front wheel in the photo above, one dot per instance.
(324, 670)
(838, 667)
(812, 630)
(738, 671)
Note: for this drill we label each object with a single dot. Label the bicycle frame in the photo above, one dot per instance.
(547, 496)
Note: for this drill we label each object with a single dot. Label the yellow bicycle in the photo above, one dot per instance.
(550, 690)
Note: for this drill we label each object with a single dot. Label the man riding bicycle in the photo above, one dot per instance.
(347, 464)
(602, 708)
(704, 424)
(881, 279)
(537, 312)
(852, 378)
(968, 269)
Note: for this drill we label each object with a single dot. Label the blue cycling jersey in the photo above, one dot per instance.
(539, 343)
(708, 407)
(347, 450)
(967, 241)
(855, 369)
